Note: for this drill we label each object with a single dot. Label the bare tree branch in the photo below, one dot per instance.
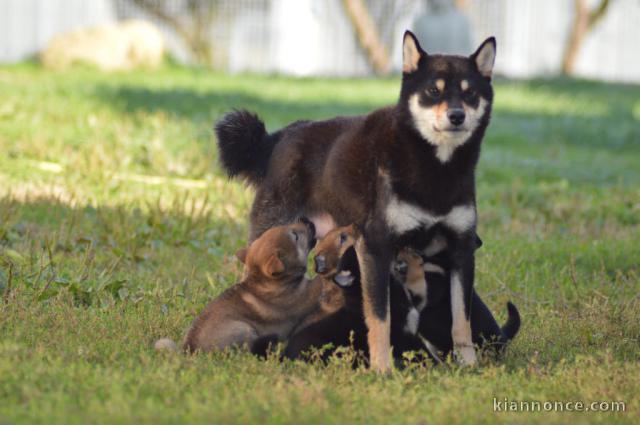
(584, 21)
(368, 36)
(193, 31)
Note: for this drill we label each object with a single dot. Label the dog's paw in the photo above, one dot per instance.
(380, 363)
(466, 355)
(382, 368)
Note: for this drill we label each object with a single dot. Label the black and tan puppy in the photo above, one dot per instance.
(340, 320)
(405, 174)
(428, 283)
(273, 298)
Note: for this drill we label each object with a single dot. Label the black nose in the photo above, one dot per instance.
(456, 116)
(321, 265)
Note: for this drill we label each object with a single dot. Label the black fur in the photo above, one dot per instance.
(263, 344)
(512, 326)
(244, 145)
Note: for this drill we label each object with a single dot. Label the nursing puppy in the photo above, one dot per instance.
(272, 299)
(428, 284)
(340, 320)
(405, 174)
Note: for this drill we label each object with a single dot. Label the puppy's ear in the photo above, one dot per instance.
(241, 255)
(485, 57)
(357, 230)
(411, 53)
(273, 266)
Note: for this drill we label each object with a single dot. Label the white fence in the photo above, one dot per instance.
(314, 37)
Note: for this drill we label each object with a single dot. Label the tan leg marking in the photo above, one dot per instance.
(461, 329)
(378, 339)
(379, 335)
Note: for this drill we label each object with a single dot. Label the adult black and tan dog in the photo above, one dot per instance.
(405, 174)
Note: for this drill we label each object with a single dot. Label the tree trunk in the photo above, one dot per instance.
(368, 36)
(583, 22)
(193, 31)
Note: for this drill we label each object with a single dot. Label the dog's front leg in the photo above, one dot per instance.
(374, 258)
(462, 275)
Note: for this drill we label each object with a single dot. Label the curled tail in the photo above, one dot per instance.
(512, 326)
(244, 145)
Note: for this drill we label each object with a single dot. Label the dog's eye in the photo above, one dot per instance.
(343, 238)
(433, 91)
(295, 236)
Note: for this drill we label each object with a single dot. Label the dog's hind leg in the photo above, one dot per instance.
(374, 258)
(270, 210)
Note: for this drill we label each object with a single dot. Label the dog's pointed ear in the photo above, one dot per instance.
(411, 53)
(273, 266)
(485, 57)
(241, 255)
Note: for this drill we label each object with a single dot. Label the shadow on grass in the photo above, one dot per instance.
(613, 127)
(196, 105)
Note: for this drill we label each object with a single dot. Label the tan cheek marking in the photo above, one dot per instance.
(464, 85)
(440, 109)
(440, 84)
(415, 273)
(417, 284)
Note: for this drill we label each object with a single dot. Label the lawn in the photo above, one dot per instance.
(117, 226)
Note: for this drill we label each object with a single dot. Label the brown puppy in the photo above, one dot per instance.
(273, 298)
(329, 253)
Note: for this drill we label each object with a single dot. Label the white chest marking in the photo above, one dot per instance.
(403, 217)
(433, 268)
(413, 318)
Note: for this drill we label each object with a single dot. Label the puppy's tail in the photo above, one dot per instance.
(512, 326)
(244, 145)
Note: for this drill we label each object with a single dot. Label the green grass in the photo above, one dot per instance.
(117, 227)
